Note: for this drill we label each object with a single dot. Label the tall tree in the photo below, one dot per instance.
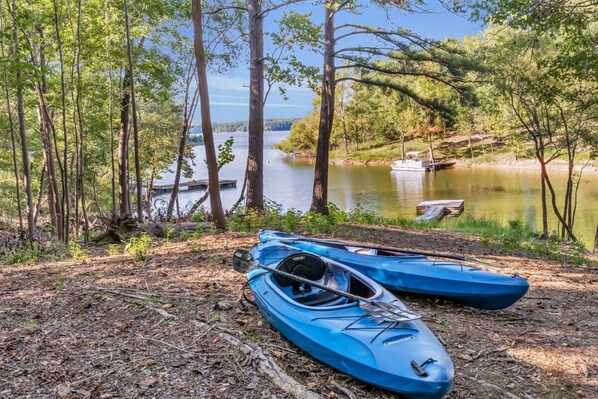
(206, 120)
(135, 121)
(398, 44)
(255, 153)
(21, 117)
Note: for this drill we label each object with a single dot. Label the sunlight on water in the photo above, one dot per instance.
(499, 194)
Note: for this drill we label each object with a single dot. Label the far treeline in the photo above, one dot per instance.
(98, 96)
(270, 125)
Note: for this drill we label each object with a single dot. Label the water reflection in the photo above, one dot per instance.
(499, 194)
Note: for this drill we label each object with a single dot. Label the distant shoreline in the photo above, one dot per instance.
(527, 164)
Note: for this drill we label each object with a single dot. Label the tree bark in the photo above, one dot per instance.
(188, 112)
(13, 143)
(81, 130)
(134, 108)
(65, 200)
(596, 240)
(22, 130)
(206, 120)
(123, 147)
(255, 151)
(47, 128)
(319, 201)
(110, 117)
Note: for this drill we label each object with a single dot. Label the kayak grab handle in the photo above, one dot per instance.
(419, 368)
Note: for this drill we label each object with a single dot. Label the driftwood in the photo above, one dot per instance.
(120, 227)
(268, 366)
(163, 229)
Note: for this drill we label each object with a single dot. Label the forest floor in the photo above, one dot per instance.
(115, 327)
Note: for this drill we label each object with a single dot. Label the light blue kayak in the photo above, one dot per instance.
(400, 356)
(409, 272)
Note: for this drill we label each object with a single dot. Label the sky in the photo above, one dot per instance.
(229, 92)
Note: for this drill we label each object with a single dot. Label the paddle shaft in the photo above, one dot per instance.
(314, 283)
(423, 253)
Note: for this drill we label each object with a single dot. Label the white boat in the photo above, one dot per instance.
(412, 162)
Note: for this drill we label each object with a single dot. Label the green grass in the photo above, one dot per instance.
(371, 152)
(515, 236)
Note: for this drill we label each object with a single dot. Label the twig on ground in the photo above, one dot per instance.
(344, 390)
(489, 385)
(268, 366)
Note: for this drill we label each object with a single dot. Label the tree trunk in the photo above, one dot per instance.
(123, 147)
(188, 112)
(553, 201)
(110, 118)
(255, 151)
(65, 201)
(81, 152)
(402, 144)
(540, 155)
(13, 143)
(431, 147)
(206, 120)
(22, 131)
(47, 128)
(319, 202)
(135, 127)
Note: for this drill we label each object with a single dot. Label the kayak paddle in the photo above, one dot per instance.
(423, 253)
(243, 262)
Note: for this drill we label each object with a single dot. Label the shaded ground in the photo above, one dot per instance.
(114, 327)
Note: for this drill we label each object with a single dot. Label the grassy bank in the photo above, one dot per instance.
(487, 150)
(515, 237)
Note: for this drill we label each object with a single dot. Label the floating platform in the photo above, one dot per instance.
(441, 165)
(428, 211)
(192, 185)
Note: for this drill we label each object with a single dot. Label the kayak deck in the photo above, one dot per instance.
(409, 272)
(338, 332)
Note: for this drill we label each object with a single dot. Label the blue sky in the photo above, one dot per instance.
(229, 94)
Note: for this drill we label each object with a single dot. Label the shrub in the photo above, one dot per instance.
(78, 253)
(113, 249)
(139, 247)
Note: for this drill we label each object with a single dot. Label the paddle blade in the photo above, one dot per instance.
(242, 259)
(388, 311)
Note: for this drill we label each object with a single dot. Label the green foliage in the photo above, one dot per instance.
(113, 249)
(78, 253)
(30, 254)
(225, 152)
(139, 247)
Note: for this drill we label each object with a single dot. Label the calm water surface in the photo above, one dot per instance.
(499, 194)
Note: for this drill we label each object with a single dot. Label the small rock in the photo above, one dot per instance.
(148, 382)
(223, 306)
(259, 323)
(254, 382)
(63, 390)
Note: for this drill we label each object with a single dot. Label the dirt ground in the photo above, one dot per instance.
(117, 328)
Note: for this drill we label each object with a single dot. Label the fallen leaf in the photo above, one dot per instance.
(63, 390)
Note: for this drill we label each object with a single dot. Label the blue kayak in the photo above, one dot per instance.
(408, 272)
(401, 356)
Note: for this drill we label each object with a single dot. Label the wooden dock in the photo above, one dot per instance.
(192, 185)
(428, 211)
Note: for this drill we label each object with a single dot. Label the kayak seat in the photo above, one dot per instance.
(304, 265)
(318, 298)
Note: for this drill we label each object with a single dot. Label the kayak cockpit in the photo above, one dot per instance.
(329, 274)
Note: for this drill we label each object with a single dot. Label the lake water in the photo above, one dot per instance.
(498, 194)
